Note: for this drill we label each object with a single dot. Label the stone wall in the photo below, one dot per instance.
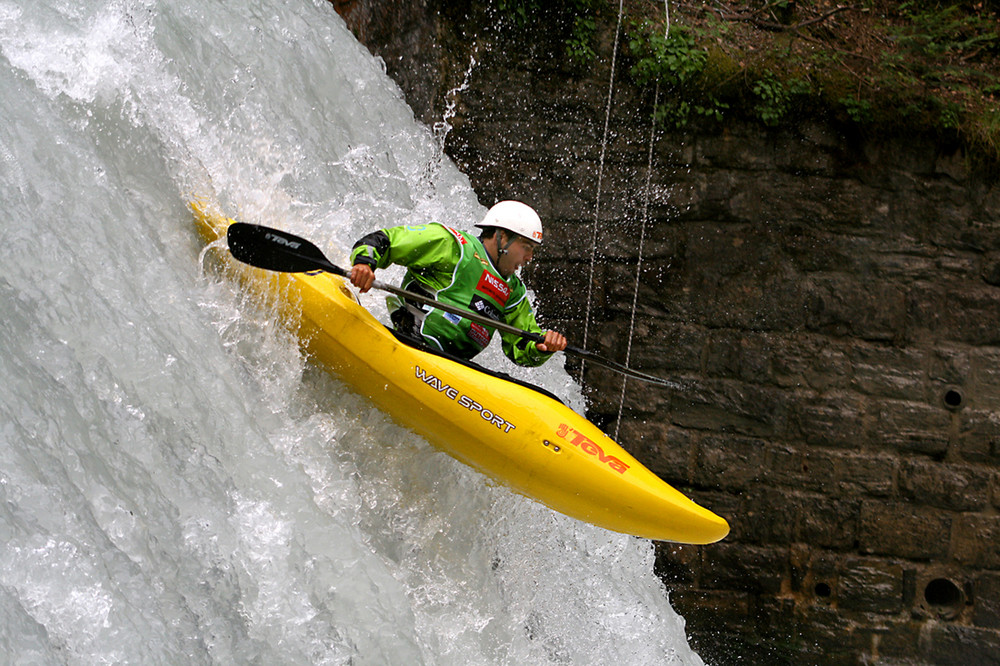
(828, 304)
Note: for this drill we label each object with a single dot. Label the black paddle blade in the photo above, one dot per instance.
(275, 250)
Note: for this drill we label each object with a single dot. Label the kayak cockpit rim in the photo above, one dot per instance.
(410, 341)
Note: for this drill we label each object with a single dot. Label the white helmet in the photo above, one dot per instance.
(514, 216)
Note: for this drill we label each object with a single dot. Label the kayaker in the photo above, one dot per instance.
(455, 267)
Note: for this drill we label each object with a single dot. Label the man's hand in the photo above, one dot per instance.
(362, 277)
(553, 342)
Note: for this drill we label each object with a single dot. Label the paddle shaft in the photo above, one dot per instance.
(500, 326)
(276, 250)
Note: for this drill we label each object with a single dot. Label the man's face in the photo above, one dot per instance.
(518, 254)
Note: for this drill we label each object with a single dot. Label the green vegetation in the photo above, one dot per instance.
(581, 17)
(929, 65)
(677, 63)
(924, 66)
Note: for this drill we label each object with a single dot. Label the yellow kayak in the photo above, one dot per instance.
(514, 433)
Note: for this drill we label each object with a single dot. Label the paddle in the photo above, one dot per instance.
(276, 250)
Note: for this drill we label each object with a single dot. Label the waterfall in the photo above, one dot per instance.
(178, 483)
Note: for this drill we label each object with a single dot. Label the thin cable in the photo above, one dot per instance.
(642, 237)
(638, 267)
(600, 178)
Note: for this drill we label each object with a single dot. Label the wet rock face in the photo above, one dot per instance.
(830, 304)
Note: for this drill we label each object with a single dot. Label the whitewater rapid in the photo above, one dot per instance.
(178, 485)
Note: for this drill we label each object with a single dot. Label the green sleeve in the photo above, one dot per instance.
(521, 350)
(428, 250)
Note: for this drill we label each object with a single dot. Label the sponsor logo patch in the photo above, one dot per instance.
(590, 447)
(493, 287)
(485, 308)
(479, 334)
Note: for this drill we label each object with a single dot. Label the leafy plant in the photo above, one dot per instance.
(579, 15)
(858, 110)
(674, 60)
(580, 43)
(679, 64)
(519, 10)
(775, 97)
(951, 116)
(679, 113)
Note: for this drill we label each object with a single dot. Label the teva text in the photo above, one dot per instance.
(464, 400)
(294, 245)
(588, 445)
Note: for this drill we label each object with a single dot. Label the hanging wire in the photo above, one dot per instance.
(600, 178)
(642, 235)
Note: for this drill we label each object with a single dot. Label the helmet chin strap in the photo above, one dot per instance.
(503, 250)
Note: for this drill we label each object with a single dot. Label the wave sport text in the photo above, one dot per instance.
(464, 400)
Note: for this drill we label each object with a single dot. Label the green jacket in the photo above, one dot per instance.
(453, 267)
